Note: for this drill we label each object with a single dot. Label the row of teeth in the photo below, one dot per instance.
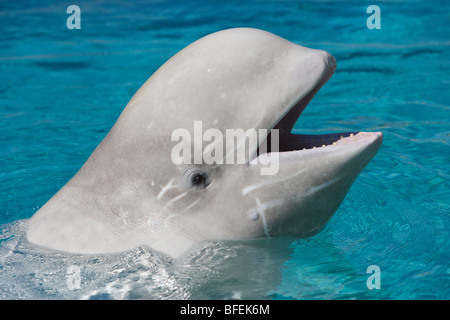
(344, 140)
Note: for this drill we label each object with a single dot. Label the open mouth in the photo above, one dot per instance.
(297, 142)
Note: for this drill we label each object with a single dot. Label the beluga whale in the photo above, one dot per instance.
(132, 192)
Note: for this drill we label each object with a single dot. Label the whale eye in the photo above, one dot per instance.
(197, 179)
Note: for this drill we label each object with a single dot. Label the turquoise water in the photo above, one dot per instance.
(62, 90)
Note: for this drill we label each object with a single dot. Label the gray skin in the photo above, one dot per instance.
(130, 192)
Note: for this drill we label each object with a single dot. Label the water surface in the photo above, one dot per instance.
(62, 90)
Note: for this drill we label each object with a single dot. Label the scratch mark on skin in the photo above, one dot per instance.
(261, 207)
(265, 183)
(263, 216)
(168, 186)
(320, 187)
(229, 154)
(192, 204)
(154, 222)
(178, 197)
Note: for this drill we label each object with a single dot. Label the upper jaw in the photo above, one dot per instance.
(289, 142)
(287, 122)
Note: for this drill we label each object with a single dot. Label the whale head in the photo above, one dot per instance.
(170, 174)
